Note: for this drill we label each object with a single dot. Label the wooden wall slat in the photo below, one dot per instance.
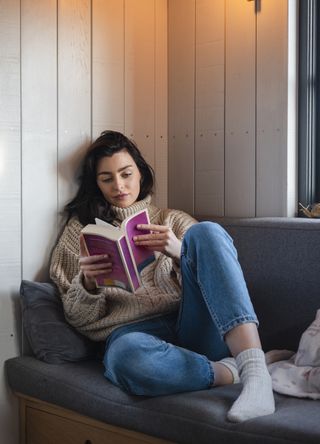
(181, 93)
(39, 134)
(10, 161)
(272, 71)
(10, 208)
(74, 91)
(240, 109)
(140, 75)
(209, 108)
(107, 66)
(161, 104)
(292, 110)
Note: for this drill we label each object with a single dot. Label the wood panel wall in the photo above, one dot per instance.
(72, 68)
(69, 70)
(230, 85)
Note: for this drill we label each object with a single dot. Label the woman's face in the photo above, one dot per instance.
(118, 178)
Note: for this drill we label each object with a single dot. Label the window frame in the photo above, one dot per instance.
(309, 100)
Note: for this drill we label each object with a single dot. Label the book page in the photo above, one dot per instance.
(142, 255)
(100, 245)
(102, 230)
(103, 223)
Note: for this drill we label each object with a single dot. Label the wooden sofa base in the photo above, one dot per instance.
(44, 423)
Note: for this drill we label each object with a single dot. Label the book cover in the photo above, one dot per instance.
(128, 259)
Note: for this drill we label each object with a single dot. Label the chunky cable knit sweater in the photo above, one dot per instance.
(96, 314)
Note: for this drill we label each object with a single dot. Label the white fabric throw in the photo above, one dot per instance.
(300, 374)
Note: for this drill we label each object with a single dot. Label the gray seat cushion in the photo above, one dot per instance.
(193, 418)
(281, 263)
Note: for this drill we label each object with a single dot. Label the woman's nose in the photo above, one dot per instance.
(118, 184)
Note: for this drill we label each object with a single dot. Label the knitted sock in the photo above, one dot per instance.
(256, 398)
(231, 364)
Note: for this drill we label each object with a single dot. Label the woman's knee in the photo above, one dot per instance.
(127, 360)
(124, 349)
(206, 233)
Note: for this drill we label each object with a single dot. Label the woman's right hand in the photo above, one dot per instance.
(92, 266)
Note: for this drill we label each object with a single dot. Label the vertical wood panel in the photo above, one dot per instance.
(107, 66)
(10, 158)
(181, 31)
(292, 110)
(161, 103)
(10, 213)
(74, 91)
(209, 149)
(140, 75)
(240, 109)
(272, 61)
(39, 134)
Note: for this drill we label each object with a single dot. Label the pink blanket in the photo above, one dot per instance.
(298, 374)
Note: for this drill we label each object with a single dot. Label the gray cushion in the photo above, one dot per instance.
(50, 337)
(189, 418)
(281, 263)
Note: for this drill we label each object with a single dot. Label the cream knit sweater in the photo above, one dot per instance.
(96, 314)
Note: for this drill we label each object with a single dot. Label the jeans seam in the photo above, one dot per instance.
(190, 261)
(223, 329)
(218, 324)
(216, 320)
(183, 255)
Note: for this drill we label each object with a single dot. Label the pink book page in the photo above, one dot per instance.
(131, 269)
(100, 245)
(142, 255)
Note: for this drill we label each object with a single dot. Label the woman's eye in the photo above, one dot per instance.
(107, 180)
(125, 175)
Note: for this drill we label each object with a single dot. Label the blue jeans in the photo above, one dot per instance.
(172, 353)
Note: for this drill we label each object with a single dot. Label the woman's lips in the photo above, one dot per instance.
(121, 196)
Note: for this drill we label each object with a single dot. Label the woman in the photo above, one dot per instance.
(177, 331)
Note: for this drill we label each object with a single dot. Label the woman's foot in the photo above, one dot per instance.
(256, 398)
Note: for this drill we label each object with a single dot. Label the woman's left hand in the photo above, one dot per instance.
(161, 238)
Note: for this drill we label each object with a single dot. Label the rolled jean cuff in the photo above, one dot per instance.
(211, 377)
(238, 321)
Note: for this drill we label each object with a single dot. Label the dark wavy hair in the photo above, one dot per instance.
(89, 201)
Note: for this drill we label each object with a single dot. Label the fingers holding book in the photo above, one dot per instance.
(92, 266)
(161, 238)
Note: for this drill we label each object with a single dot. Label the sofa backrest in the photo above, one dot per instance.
(280, 258)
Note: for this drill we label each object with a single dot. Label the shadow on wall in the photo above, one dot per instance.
(69, 167)
(68, 172)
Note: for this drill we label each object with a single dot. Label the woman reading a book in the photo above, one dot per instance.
(192, 315)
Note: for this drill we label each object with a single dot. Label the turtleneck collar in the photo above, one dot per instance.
(122, 213)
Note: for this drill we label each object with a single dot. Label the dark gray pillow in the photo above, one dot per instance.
(51, 338)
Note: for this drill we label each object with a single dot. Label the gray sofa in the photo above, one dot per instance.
(281, 262)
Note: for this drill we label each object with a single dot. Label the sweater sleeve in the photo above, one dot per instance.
(179, 221)
(80, 306)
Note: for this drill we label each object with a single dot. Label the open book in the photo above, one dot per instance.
(127, 258)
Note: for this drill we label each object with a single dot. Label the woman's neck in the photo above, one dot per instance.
(122, 213)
